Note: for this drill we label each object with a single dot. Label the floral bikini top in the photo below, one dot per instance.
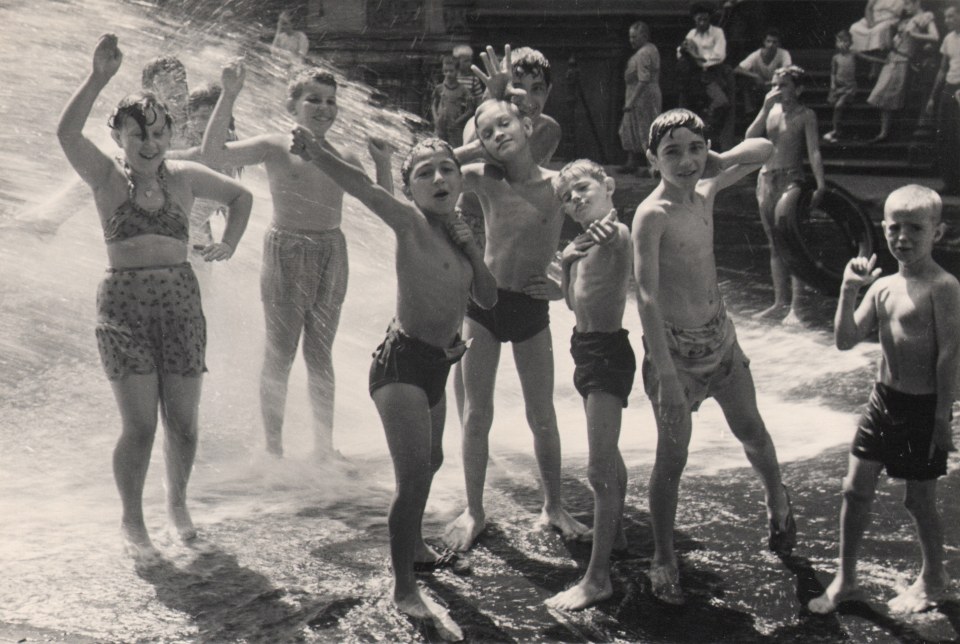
(130, 220)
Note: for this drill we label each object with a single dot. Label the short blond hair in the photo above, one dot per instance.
(914, 198)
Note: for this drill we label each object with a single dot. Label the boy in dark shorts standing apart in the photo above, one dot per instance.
(691, 345)
(596, 275)
(438, 265)
(905, 427)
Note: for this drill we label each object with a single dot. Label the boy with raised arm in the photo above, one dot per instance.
(691, 345)
(522, 218)
(596, 274)
(905, 427)
(790, 126)
(438, 265)
(304, 275)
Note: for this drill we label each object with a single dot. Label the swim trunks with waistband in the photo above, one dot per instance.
(895, 429)
(305, 267)
(604, 361)
(771, 184)
(706, 358)
(514, 318)
(404, 359)
(151, 320)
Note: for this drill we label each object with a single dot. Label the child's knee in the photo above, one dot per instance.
(858, 490)
(920, 500)
(602, 477)
(542, 421)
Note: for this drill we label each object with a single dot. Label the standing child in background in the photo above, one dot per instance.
(944, 99)
(151, 331)
(288, 43)
(452, 105)
(438, 265)
(758, 68)
(691, 345)
(596, 275)
(789, 125)
(642, 100)
(464, 56)
(889, 93)
(905, 427)
(303, 280)
(843, 82)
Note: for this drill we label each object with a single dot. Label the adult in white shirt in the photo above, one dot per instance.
(758, 68)
(705, 78)
(875, 30)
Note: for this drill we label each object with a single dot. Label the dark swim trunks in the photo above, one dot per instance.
(514, 318)
(401, 358)
(151, 320)
(604, 362)
(896, 429)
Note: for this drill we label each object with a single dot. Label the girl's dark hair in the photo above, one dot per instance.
(143, 107)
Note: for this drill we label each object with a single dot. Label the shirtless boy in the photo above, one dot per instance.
(905, 427)
(438, 264)
(523, 219)
(304, 276)
(788, 124)
(691, 345)
(596, 274)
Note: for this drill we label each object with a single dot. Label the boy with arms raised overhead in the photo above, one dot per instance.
(304, 275)
(438, 265)
(691, 345)
(596, 274)
(790, 126)
(523, 219)
(905, 427)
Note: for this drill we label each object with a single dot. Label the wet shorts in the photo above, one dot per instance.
(150, 320)
(305, 267)
(707, 358)
(401, 358)
(771, 184)
(604, 362)
(896, 429)
(514, 318)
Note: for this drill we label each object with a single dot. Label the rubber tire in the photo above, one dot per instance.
(792, 215)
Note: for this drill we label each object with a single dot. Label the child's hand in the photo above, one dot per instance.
(860, 271)
(541, 287)
(380, 149)
(217, 252)
(231, 77)
(577, 249)
(942, 437)
(305, 144)
(772, 98)
(107, 57)
(671, 401)
(461, 235)
(499, 77)
(602, 231)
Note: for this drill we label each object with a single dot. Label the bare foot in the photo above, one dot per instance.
(561, 521)
(922, 595)
(835, 594)
(463, 531)
(775, 312)
(665, 584)
(332, 458)
(137, 544)
(792, 319)
(420, 606)
(580, 596)
(180, 520)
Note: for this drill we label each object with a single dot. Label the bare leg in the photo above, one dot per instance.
(767, 202)
(859, 488)
(318, 335)
(479, 370)
(283, 324)
(607, 478)
(534, 359)
(137, 398)
(931, 585)
(180, 405)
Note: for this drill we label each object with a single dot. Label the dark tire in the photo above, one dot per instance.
(817, 244)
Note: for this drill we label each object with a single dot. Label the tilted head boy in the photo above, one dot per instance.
(531, 72)
(312, 100)
(431, 177)
(585, 191)
(912, 223)
(678, 147)
(501, 129)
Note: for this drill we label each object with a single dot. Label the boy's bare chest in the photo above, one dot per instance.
(907, 309)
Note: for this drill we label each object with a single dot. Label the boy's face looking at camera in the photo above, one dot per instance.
(501, 129)
(315, 108)
(789, 92)
(537, 92)
(911, 231)
(771, 44)
(586, 197)
(435, 181)
(681, 157)
(449, 68)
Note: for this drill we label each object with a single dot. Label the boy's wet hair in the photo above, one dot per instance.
(844, 35)
(794, 72)
(162, 65)
(142, 107)
(575, 170)
(701, 7)
(914, 198)
(433, 144)
(530, 61)
(312, 75)
(669, 121)
(208, 94)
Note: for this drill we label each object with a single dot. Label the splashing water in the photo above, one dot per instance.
(59, 546)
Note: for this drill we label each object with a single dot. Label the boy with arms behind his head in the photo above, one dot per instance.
(905, 427)
(691, 345)
(596, 274)
(304, 275)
